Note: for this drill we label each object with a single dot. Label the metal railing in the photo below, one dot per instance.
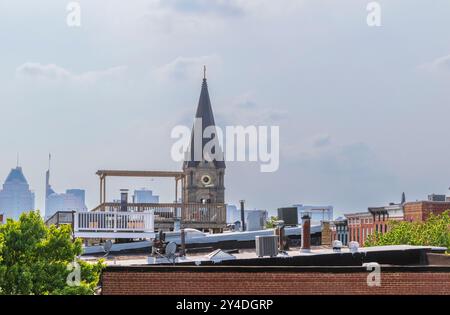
(114, 221)
(167, 212)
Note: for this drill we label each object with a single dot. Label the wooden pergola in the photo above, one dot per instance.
(192, 215)
(178, 176)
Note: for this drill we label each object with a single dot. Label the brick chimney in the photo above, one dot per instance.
(306, 232)
(326, 233)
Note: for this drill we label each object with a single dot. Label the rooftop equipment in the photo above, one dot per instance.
(353, 246)
(289, 215)
(337, 245)
(267, 245)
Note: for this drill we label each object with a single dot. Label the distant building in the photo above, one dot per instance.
(16, 196)
(253, 218)
(1, 218)
(145, 196)
(434, 197)
(360, 226)
(421, 210)
(71, 200)
(382, 215)
(339, 230)
(318, 213)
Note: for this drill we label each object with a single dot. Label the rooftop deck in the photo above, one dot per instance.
(192, 215)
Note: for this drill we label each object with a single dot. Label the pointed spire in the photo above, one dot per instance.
(403, 198)
(204, 118)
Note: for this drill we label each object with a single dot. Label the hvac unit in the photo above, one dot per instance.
(289, 215)
(267, 245)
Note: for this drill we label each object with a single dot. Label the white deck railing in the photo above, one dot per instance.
(113, 222)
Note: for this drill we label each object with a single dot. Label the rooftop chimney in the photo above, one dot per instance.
(242, 215)
(124, 200)
(306, 232)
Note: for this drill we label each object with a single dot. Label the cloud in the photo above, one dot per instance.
(186, 68)
(54, 72)
(217, 7)
(322, 140)
(246, 110)
(438, 65)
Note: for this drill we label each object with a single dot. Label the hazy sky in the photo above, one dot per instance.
(363, 111)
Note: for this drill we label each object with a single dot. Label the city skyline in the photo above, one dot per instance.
(350, 136)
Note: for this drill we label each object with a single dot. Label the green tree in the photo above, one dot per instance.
(34, 259)
(435, 231)
(271, 223)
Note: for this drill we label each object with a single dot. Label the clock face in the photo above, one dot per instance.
(206, 180)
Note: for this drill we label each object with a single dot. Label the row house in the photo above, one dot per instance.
(360, 226)
(339, 230)
(382, 215)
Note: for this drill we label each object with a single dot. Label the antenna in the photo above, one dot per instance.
(17, 165)
(204, 72)
(49, 160)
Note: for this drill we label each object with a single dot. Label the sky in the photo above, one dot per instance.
(362, 111)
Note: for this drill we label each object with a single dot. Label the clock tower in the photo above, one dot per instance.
(204, 175)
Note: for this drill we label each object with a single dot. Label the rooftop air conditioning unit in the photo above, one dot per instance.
(267, 245)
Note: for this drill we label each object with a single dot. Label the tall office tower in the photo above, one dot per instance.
(71, 200)
(16, 196)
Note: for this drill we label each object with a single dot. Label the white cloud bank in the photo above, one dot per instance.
(186, 68)
(52, 72)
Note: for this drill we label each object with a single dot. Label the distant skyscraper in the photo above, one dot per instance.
(145, 196)
(71, 200)
(16, 196)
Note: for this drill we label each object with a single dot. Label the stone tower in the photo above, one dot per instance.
(204, 173)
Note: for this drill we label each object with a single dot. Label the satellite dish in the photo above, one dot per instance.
(107, 247)
(171, 249)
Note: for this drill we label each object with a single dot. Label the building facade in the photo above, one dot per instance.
(204, 174)
(360, 226)
(382, 216)
(339, 230)
(419, 211)
(145, 196)
(16, 196)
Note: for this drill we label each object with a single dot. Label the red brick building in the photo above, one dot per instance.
(382, 215)
(360, 226)
(419, 211)
(264, 280)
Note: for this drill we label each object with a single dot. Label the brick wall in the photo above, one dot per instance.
(420, 210)
(267, 281)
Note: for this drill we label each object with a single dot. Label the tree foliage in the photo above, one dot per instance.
(435, 231)
(34, 258)
(271, 223)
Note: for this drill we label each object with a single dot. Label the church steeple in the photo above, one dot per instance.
(204, 180)
(205, 116)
